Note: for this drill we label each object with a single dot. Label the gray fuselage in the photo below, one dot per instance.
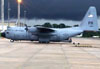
(19, 33)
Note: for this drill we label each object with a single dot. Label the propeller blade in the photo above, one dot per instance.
(26, 27)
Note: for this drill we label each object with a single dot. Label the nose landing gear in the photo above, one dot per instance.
(70, 40)
(11, 40)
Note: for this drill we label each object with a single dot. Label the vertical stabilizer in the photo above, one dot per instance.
(89, 22)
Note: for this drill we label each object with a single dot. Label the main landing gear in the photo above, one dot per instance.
(44, 42)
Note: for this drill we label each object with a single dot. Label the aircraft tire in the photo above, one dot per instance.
(44, 42)
(47, 42)
(11, 40)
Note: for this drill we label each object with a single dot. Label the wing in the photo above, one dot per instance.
(45, 30)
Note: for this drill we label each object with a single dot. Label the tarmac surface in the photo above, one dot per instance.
(32, 55)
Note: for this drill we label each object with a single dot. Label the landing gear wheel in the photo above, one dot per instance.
(48, 42)
(44, 42)
(70, 40)
(11, 40)
(32, 40)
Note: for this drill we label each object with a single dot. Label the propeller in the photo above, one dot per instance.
(26, 27)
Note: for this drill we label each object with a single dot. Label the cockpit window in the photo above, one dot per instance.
(7, 32)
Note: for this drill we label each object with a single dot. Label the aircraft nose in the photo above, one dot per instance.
(3, 34)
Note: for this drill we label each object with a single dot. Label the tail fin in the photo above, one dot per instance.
(89, 22)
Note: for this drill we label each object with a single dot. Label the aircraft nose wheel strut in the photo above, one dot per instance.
(70, 40)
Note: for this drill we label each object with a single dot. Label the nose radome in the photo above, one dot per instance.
(3, 34)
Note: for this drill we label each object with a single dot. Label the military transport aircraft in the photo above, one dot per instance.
(46, 35)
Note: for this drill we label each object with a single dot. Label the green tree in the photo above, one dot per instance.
(68, 26)
(47, 24)
(55, 26)
(98, 34)
(89, 34)
(62, 25)
(0, 34)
